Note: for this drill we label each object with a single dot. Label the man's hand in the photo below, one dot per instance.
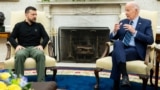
(39, 47)
(117, 27)
(130, 28)
(19, 47)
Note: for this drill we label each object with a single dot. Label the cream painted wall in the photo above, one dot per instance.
(7, 7)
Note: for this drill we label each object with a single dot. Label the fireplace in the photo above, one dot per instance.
(82, 44)
(79, 14)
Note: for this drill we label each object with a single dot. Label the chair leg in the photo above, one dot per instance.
(145, 80)
(54, 69)
(96, 72)
(151, 76)
(54, 73)
(45, 71)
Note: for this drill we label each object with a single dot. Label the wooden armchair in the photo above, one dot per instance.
(30, 63)
(142, 68)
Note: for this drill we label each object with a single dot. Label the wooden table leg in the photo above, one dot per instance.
(156, 75)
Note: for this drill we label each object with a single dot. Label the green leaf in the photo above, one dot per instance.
(10, 72)
(27, 87)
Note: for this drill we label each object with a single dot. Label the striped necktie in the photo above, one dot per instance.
(127, 36)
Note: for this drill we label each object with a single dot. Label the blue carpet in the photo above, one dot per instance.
(73, 82)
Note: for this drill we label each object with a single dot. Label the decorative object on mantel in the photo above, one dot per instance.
(68, 0)
(84, 0)
(45, 0)
(9, 0)
(78, 0)
(2, 18)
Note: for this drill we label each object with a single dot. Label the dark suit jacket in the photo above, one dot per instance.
(143, 38)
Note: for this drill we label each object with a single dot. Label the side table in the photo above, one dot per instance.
(157, 49)
(4, 34)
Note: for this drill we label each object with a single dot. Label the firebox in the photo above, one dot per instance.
(82, 44)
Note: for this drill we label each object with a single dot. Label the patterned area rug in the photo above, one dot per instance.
(84, 79)
(86, 72)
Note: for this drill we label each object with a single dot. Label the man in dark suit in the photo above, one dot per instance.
(131, 35)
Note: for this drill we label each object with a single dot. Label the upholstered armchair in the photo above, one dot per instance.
(30, 63)
(142, 68)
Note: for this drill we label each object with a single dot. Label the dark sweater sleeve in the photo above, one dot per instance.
(45, 36)
(13, 36)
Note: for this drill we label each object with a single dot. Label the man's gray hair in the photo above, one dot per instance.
(134, 4)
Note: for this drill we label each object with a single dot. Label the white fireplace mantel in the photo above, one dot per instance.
(47, 6)
(85, 2)
(69, 7)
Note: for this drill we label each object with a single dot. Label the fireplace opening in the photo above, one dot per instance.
(82, 44)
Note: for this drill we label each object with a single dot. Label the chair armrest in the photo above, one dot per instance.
(157, 47)
(149, 59)
(8, 44)
(157, 50)
(152, 46)
(50, 49)
(107, 49)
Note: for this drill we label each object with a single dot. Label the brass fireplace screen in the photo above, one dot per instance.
(82, 44)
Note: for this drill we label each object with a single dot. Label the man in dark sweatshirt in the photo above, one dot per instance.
(28, 44)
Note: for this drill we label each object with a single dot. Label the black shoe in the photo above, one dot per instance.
(116, 85)
(116, 88)
(125, 82)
